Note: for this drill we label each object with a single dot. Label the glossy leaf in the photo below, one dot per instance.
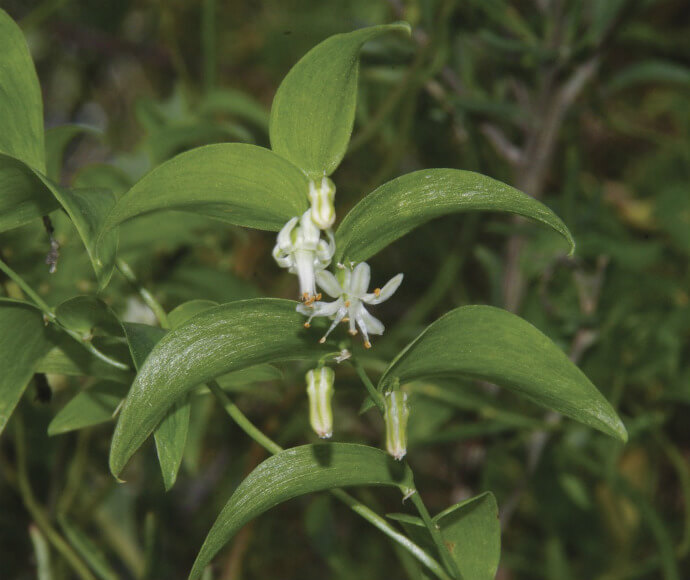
(171, 433)
(57, 140)
(92, 406)
(24, 340)
(85, 313)
(314, 108)
(237, 183)
(471, 530)
(21, 105)
(486, 343)
(187, 310)
(296, 472)
(399, 206)
(219, 340)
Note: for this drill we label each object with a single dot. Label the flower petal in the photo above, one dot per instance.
(373, 325)
(284, 240)
(359, 283)
(386, 292)
(328, 283)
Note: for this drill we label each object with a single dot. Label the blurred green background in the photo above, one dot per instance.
(584, 104)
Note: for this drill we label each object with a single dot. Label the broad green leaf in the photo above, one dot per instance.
(85, 313)
(314, 108)
(57, 140)
(471, 530)
(21, 105)
(237, 183)
(87, 208)
(490, 344)
(66, 357)
(92, 406)
(23, 195)
(187, 310)
(87, 550)
(401, 205)
(227, 338)
(171, 433)
(26, 194)
(24, 340)
(296, 472)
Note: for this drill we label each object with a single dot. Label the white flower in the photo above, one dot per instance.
(300, 249)
(321, 198)
(350, 290)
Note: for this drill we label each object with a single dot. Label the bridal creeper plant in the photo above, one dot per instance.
(287, 189)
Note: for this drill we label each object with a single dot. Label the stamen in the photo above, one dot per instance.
(322, 339)
(307, 325)
(377, 292)
(367, 344)
(352, 332)
(346, 319)
(347, 304)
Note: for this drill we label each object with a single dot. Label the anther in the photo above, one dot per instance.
(367, 344)
(377, 292)
(307, 325)
(352, 332)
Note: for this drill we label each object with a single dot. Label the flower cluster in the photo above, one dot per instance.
(301, 249)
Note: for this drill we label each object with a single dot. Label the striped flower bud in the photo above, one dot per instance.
(321, 197)
(320, 391)
(396, 412)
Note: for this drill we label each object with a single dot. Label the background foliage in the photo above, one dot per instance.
(583, 104)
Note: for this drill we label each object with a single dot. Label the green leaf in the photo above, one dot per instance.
(237, 183)
(24, 340)
(23, 195)
(87, 208)
(26, 194)
(92, 406)
(187, 310)
(314, 108)
(296, 472)
(471, 530)
(57, 140)
(490, 344)
(85, 313)
(171, 433)
(399, 206)
(219, 340)
(21, 105)
(67, 357)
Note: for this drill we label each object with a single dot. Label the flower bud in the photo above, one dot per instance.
(396, 412)
(320, 392)
(321, 197)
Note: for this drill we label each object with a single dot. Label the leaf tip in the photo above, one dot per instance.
(403, 26)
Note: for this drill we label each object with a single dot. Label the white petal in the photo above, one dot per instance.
(328, 283)
(386, 292)
(373, 325)
(327, 308)
(308, 234)
(304, 263)
(284, 240)
(359, 283)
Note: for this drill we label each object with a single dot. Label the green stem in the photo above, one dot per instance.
(37, 300)
(371, 389)
(436, 536)
(35, 509)
(359, 508)
(242, 421)
(146, 296)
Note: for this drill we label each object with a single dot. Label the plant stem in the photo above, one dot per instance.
(37, 300)
(146, 296)
(371, 389)
(436, 536)
(356, 506)
(35, 509)
(242, 421)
